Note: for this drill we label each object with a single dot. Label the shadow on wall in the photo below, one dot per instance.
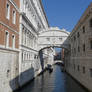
(24, 77)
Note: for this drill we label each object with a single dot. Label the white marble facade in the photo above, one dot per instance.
(32, 21)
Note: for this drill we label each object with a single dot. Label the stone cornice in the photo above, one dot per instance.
(44, 12)
(28, 21)
(13, 3)
(2, 47)
(54, 31)
(11, 29)
(37, 13)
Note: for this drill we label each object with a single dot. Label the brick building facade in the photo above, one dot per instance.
(9, 44)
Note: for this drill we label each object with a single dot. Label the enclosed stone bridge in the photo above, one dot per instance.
(53, 37)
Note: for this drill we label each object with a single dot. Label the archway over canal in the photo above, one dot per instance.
(47, 40)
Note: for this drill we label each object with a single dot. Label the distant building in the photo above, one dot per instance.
(9, 44)
(62, 54)
(78, 59)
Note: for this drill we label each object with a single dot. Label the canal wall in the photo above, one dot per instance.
(10, 77)
(31, 68)
(79, 74)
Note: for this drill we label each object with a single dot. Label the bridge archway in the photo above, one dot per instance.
(53, 37)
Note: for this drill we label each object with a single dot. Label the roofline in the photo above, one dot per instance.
(44, 12)
(54, 31)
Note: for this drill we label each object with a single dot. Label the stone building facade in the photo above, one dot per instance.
(78, 60)
(9, 44)
(32, 21)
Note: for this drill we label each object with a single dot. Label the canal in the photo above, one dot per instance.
(57, 81)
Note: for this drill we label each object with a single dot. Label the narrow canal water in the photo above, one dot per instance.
(57, 81)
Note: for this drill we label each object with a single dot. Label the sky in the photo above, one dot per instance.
(64, 13)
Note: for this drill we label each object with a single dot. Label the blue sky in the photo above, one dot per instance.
(64, 13)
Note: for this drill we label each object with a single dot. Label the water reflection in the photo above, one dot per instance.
(56, 81)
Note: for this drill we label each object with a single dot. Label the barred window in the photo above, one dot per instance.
(84, 47)
(83, 29)
(78, 34)
(90, 72)
(90, 22)
(91, 44)
(78, 49)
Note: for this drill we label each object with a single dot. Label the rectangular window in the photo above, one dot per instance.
(78, 34)
(7, 11)
(78, 68)
(6, 39)
(74, 38)
(83, 69)
(83, 29)
(84, 47)
(48, 39)
(13, 41)
(90, 72)
(74, 50)
(14, 17)
(78, 49)
(74, 66)
(91, 23)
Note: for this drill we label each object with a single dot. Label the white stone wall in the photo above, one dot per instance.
(31, 22)
(30, 65)
(29, 61)
(8, 70)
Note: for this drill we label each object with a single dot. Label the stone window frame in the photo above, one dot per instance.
(78, 34)
(90, 22)
(8, 10)
(75, 38)
(6, 37)
(13, 41)
(60, 38)
(75, 51)
(78, 48)
(48, 39)
(90, 72)
(14, 16)
(78, 67)
(84, 47)
(74, 67)
(83, 28)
